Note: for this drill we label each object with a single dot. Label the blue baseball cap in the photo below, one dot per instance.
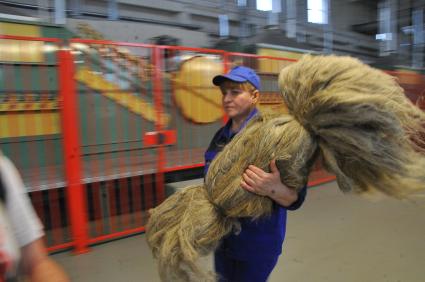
(239, 74)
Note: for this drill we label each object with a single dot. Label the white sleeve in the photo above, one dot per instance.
(25, 224)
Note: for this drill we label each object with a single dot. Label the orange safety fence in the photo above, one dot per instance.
(31, 132)
(95, 128)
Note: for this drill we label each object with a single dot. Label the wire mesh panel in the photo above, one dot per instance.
(118, 106)
(93, 130)
(192, 101)
(30, 121)
(30, 126)
(51, 207)
(120, 205)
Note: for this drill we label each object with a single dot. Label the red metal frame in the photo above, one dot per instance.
(76, 199)
(159, 138)
(109, 42)
(183, 167)
(72, 154)
(260, 57)
(116, 235)
(60, 247)
(321, 181)
(193, 49)
(157, 91)
(226, 68)
(29, 38)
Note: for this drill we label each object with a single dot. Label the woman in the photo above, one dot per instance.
(251, 254)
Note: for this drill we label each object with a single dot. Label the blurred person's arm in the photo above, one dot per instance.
(38, 266)
(27, 228)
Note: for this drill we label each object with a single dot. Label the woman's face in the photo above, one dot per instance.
(238, 99)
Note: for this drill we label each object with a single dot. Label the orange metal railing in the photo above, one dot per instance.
(127, 114)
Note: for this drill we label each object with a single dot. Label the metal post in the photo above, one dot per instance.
(273, 14)
(418, 38)
(223, 21)
(291, 18)
(113, 10)
(60, 17)
(301, 11)
(158, 93)
(243, 18)
(43, 10)
(76, 8)
(72, 154)
(387, 16)
(327, 28)
(394, 25)
(327, 39)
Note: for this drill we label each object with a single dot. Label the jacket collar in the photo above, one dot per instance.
(227, 128)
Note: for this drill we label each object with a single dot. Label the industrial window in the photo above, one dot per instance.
(241, 3)
(264, 5)
(317, 11)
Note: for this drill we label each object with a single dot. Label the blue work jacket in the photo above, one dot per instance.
(262, 238)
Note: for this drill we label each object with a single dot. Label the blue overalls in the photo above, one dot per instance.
(251, 255)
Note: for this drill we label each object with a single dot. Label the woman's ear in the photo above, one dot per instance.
(255, 96)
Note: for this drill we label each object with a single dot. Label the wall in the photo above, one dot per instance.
(141, 32)
(347, 13)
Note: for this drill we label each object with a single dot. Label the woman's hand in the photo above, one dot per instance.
(267, 184)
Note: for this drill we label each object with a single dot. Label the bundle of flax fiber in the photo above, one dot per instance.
(356, 118)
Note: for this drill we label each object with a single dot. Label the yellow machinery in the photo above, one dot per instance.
(193, 92)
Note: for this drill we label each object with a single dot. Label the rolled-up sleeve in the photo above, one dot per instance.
(25, 224)
(301, 197)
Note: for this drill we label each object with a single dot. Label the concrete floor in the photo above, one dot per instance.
(333, 238)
